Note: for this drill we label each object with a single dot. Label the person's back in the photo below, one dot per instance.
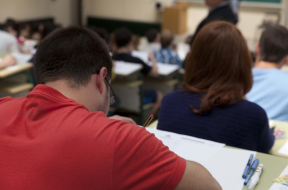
(211, 103)
(8, 42)
(166, 54)
(152, 41)
(59, 137)
(270, 83)
(243, 124)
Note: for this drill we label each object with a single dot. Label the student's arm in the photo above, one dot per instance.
(8, 60)
(198, 178)
(154, 71)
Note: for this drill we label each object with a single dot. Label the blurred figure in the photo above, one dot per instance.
(270, 83)
(218, 10)
(8, 37)
(7, 61)
(153, 44)
(123, 40)
(166, 54)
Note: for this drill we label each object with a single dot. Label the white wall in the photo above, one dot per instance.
(61, 10)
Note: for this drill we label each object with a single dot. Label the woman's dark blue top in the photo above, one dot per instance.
(243, 124)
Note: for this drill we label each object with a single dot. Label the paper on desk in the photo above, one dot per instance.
(144, 56)
(284, 149)
(12, 68)
(278, 186)
(21, 57)
(166, 69)
(227, 167)
(189, 148)
(125, 68)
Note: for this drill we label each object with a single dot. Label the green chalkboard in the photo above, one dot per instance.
(264, 1)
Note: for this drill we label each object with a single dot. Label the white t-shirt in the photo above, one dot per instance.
(6, 40)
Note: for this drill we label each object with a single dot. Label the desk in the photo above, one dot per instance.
(273, 166)
(4, 73)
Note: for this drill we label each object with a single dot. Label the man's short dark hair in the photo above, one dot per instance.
(123, 37)
(151, 34)
(72, 54)
(166, 39)
(102, 32)
(274, 44)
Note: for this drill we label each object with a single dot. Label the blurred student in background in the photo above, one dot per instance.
(166, 54)
(218, 10)
(153, 44)
(270, 86)
(211, 104)
(8, 37)
(123, 37)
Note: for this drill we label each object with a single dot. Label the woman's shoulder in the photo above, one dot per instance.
(181, 94)
(250, 109)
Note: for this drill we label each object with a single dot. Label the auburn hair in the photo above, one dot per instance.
(219, 65)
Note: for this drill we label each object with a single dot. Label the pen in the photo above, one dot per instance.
(247, 166)
(148, 120)
(253, 167)
(255, 178)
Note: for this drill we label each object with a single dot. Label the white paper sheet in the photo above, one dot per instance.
(144, 56)
(125, 68)
(278, 186)
(12, 68)
(189, 148)
(22, 58)
(165, 69)
(227, 167)
(284, 149)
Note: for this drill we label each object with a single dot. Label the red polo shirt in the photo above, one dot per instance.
(48, 141)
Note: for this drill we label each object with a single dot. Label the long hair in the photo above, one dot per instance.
(219, 64)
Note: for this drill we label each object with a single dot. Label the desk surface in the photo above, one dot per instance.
(6, 72)
(20, 67)
(273, 165)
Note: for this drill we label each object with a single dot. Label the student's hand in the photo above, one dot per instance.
(151, 56)
(8, 60)
(118, 117)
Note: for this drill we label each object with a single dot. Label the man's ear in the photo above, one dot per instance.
(100, 79)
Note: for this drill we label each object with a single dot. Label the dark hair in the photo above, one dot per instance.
(274, 44)
(102, 32)
(72, 54)
(47, 29)
(219, 64)
(166, 38)
(122, 36)
(11, 23)
(151, 34)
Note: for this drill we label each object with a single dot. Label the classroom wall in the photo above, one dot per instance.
(61, 10)
(144, 11)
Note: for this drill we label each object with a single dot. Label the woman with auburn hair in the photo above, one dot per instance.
(211, 105)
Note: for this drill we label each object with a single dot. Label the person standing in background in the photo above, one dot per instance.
(218, 10)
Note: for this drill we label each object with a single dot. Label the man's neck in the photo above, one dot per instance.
(80, 95)
(123, 50)
(267, 65)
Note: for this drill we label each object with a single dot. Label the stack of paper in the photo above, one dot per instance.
(125, 68)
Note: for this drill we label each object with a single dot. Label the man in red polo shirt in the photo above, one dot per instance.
(58, 137)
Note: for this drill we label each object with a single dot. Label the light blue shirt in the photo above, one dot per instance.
(166, 55)
(270, 91)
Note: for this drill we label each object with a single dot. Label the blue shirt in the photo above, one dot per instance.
(243, 124)
(166, 55)
(270, 91)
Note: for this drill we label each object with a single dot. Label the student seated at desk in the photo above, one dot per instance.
(166, 54)
(123, 37)
(7, 61)
(270, 86)
(153, 44)
(58, 136)
(211, 104)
